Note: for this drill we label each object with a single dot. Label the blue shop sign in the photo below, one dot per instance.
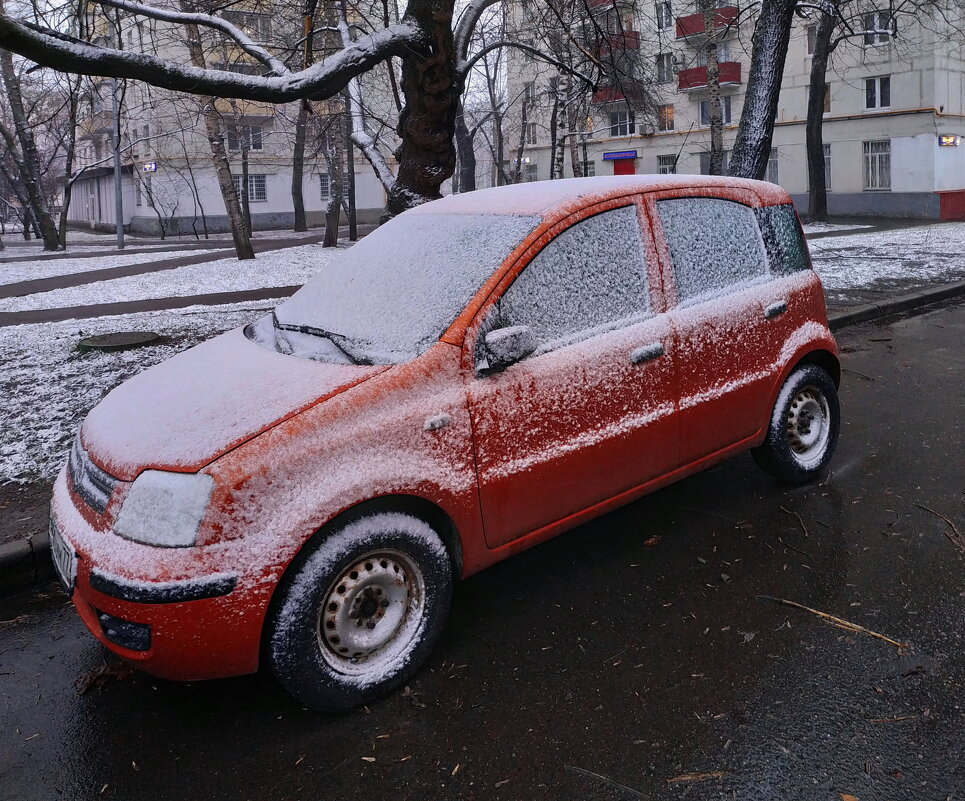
(619, 155)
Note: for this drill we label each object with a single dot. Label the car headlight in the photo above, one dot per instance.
(164, 509)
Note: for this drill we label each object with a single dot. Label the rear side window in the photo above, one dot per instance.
(714, 244)
(590, 277)
(783, 239)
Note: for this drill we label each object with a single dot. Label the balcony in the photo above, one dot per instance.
(614, 42)
(608, 94)
(696, 77)
(596, 5)
(693, 24)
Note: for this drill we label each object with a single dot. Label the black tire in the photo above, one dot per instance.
(804, 427)
(362, 613)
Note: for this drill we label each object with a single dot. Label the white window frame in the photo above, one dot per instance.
(810, 38)
(773, 168)
(667, 165)
(703, 111)
(532, 133)
(622, 123)
(664, 16)
(879, 20)
(589, 169)
(875, 84)
(530, 172)
(826, 147)
(253, 23)
(254, 133)
(257, 187)
(664, 67)
(704, 157)
(662, 122)
(876, 163)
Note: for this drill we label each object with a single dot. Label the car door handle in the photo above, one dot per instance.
(775, 309)
(646, 353)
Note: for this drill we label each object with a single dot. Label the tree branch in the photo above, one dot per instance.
(208, 20)
(323, 80)
(465, 66)
(466, 24)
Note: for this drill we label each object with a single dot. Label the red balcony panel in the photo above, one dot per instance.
(608, 94)
(693, 24)
(696, 77)
(629, 40)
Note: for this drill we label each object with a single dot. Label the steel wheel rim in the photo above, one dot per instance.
(372, 613)
(808, 424)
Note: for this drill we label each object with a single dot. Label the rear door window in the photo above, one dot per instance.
(590, 278)
(783, 239)
(714, 244)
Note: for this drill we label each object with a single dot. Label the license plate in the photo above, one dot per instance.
(64, 557)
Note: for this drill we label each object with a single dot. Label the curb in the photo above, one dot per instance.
(27, 562)
(24, 563)
(913, 300)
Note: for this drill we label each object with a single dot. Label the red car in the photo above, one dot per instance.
(476, 376)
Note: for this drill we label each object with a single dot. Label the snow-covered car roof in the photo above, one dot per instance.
(546, 197)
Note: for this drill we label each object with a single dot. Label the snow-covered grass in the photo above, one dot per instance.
(32, 268)
(890, 261)
(285, 267)
(47, 386)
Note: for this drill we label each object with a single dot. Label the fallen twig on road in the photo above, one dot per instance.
(893, 720)
(955, 536)
(800, 520)
(855, 372)
(604, 779)
(840, 622)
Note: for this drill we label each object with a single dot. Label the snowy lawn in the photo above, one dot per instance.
(47, 386)
(890, 262)
(285, 267)
(33, 267)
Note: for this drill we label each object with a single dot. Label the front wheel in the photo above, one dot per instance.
(804, 427)
(362, 613)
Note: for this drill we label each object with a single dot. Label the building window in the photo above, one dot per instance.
(879, 25)
(665, 117)
(531, 173)
(724, 110)
(149, 191)
(138, 199)
(532, 134)
(257, 26)
(326, 188)
(247, 137)
(667, 165)
(589, 169)
(705, 163)
(877, 164)
(529, 92)
(257, 187)
(772, 173)
(664, 63)
(622, 123)
(811, 35)
(664, 16)
(710, 5)
(827, 167)
(827, 98)
(723, 55)
(877, 92)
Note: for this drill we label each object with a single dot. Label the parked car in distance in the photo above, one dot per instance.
(477, 375)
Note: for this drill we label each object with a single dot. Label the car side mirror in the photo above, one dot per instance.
(506, 346)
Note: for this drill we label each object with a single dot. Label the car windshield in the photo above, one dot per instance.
(389, 297)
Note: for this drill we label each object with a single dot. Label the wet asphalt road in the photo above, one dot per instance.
(628, 659)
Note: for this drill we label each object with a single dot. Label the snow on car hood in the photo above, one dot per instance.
(183, 413)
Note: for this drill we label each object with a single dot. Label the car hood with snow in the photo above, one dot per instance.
(189, 410)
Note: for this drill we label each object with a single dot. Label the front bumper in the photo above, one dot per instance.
(197, 617)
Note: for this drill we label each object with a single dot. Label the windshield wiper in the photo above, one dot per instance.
(352, 356)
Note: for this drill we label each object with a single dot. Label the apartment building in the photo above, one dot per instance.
(167, 175)
(893, 116)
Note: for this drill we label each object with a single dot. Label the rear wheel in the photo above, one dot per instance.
(362, 613)
(804, 427)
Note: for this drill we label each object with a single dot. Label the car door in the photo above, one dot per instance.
(590, 413)
(717, 270)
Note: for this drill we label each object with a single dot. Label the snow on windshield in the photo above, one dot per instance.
(395, 293)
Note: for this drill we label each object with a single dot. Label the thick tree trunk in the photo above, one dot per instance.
(814, 128)
(571, 122)
(298, 167)
(432, 88)
(334, 160)
(467, 155)
(245, 184)
(771, 35)
(27, 160)
(219, 157)
(713, 94)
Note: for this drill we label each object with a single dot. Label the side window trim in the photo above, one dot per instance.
(653, 295)
(668, 271)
